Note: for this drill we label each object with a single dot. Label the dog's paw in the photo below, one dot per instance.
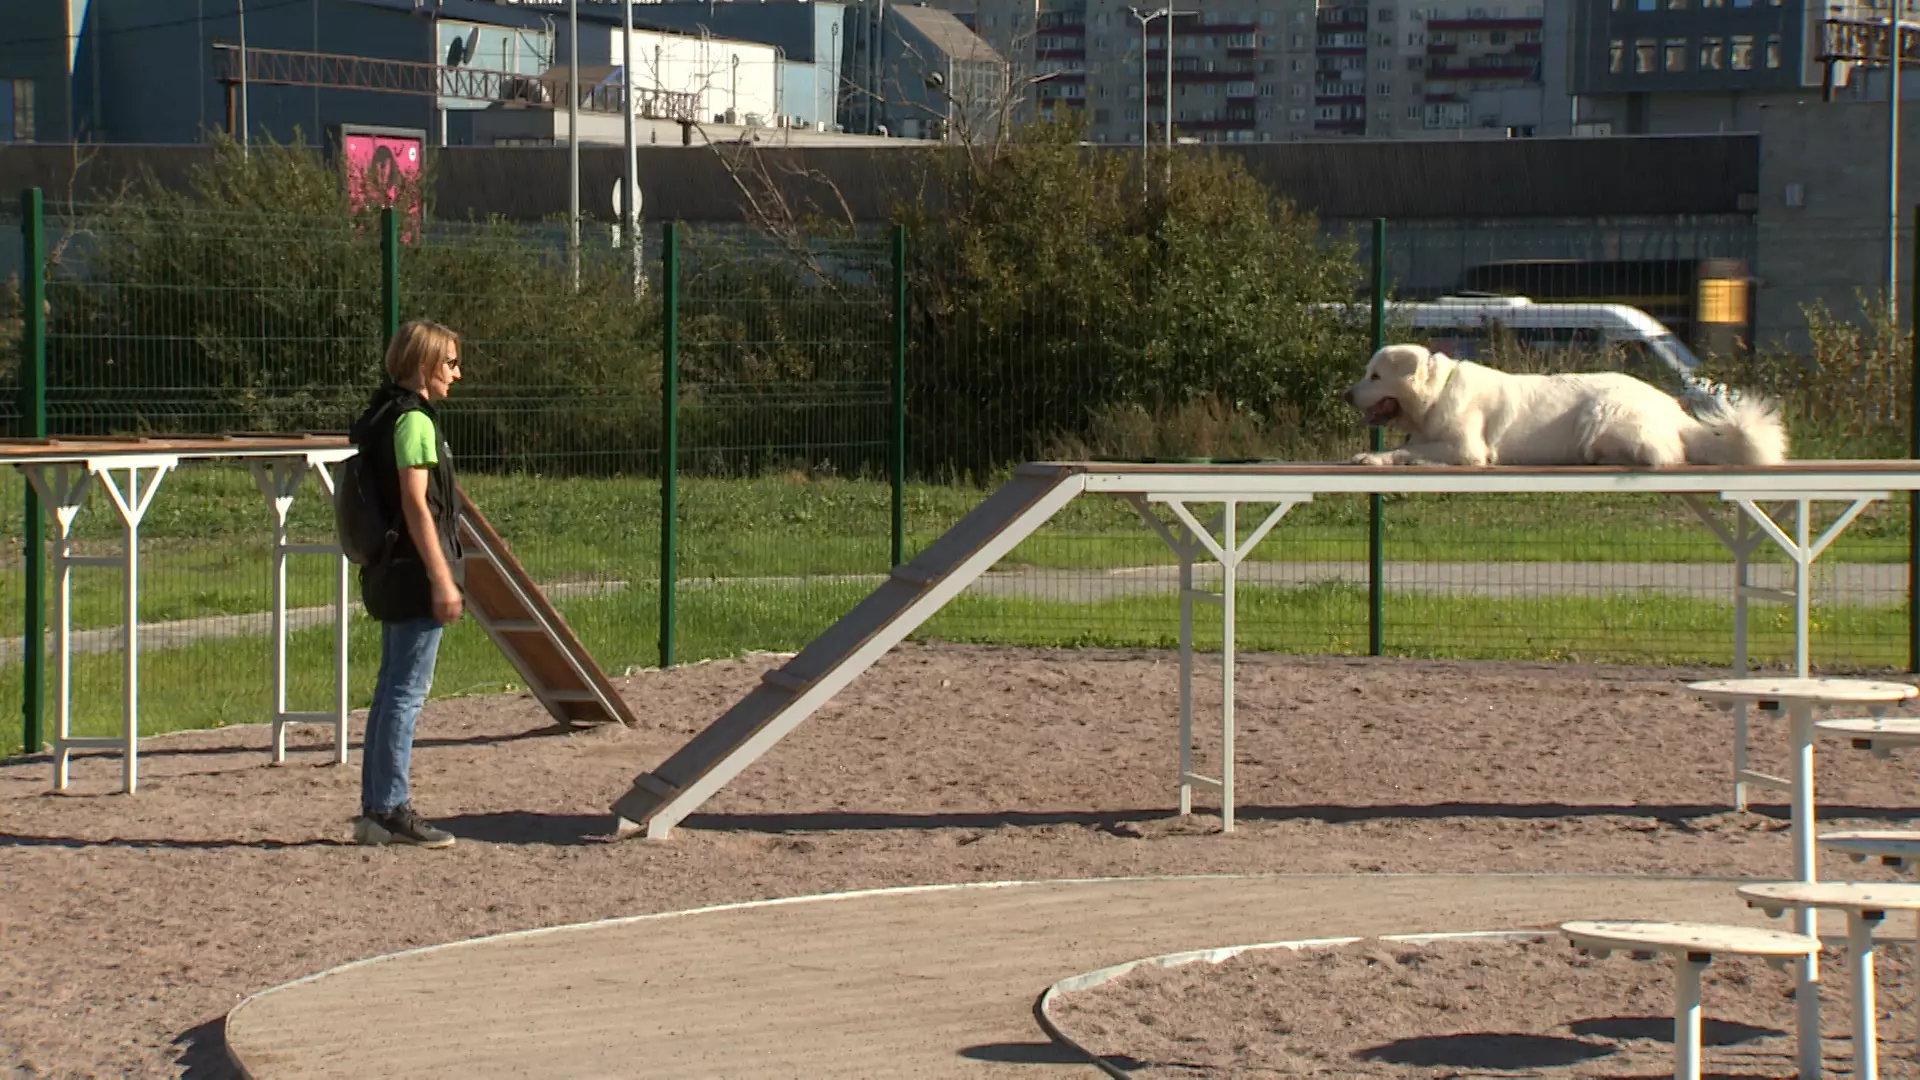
(1372, 458)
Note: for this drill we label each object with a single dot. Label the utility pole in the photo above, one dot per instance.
(1171, 15)
(1895, 27)
(240, 6)
(629, 184)
(573, 142)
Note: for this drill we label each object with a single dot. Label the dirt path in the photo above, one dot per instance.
(131, 925)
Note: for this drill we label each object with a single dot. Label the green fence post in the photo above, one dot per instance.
(1913, 450)
(669, 427)
(389, 273)
(1376, 507)
(33, 418)
(898, 463)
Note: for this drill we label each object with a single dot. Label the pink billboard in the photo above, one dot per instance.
(382, 167)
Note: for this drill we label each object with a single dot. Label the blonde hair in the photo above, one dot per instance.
(418, 349)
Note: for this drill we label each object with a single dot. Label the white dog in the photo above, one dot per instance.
(1456, 412)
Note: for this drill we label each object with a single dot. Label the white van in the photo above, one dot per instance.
(1629, 339)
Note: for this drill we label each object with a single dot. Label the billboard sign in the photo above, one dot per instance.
(381, 167)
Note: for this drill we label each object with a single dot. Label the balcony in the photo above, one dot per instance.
(1457, 73)
(1483, 24)
(1246, 123)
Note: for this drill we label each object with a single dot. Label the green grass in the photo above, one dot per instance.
(205, 538)
(218, 683)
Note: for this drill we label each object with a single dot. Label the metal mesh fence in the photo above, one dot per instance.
(555, 425)
(165, 320)
(785, 419)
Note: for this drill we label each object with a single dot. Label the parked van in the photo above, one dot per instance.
(1609, 336)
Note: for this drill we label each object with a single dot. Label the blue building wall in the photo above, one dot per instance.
(144, 71)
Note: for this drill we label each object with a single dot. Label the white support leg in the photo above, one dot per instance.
(279, 480)
(1229, 552)
(1866, 1039)
(341, 591)
(63, 491)
(1185, 548)
(1800, 547)
(1686, 1015)
(1229, 588)
(132, 504)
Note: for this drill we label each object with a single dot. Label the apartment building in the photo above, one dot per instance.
(1286, 70)
(1659, 67)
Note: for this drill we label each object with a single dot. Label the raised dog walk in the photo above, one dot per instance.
(788, 695)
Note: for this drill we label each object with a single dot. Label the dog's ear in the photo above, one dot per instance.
(1401, 361)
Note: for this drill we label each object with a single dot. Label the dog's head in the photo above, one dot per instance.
(1398, 386)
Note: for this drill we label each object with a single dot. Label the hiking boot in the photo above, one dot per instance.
(403, 826)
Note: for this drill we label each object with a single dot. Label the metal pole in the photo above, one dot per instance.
(240, 6)
(573, 141)
(1168, 134)
(899, 455)
(1913, 498)
(1376, 507)
(33, 415)
(1893, 162)
(629, 184)
(669, 427)
(1145, 99)
(389, 273)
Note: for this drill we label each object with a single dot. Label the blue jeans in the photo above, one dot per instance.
(407, 652)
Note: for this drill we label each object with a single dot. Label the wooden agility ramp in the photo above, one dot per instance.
(788, 695)
(533, 637)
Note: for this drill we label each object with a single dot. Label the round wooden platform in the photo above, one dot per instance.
(933, 982)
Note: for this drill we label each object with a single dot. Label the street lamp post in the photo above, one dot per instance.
(1146, 17)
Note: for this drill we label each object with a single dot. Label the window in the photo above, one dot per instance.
(1413, 112)
(1773, 50)
(16, 111)
(1384, 89)
(1385, 63)
(1239, 41)
(1712, 54)
(1646, 5)
(1616, 56)
(1497, 37)
(1676, 54)
(1644, 60)
(1296, 115)
(1740, 53)
(1383, 15)
(1416, 38)
(1267, 18)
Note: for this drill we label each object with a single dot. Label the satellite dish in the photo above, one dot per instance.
(462, 51)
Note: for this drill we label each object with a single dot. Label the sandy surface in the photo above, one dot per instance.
(1536, 1009)
(130, 925)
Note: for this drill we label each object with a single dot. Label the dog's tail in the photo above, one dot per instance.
(1746, 432)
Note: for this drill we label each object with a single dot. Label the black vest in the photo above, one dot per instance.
(398, 589)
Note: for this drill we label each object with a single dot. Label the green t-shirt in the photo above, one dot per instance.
(414, 443)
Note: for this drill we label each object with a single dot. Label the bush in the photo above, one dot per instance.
(1054, 304)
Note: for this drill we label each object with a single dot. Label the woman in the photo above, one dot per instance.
(415, 590)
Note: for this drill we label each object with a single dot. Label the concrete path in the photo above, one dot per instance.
(1834, 583)
(937, 982)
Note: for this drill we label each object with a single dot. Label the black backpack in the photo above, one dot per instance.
(365, 533)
